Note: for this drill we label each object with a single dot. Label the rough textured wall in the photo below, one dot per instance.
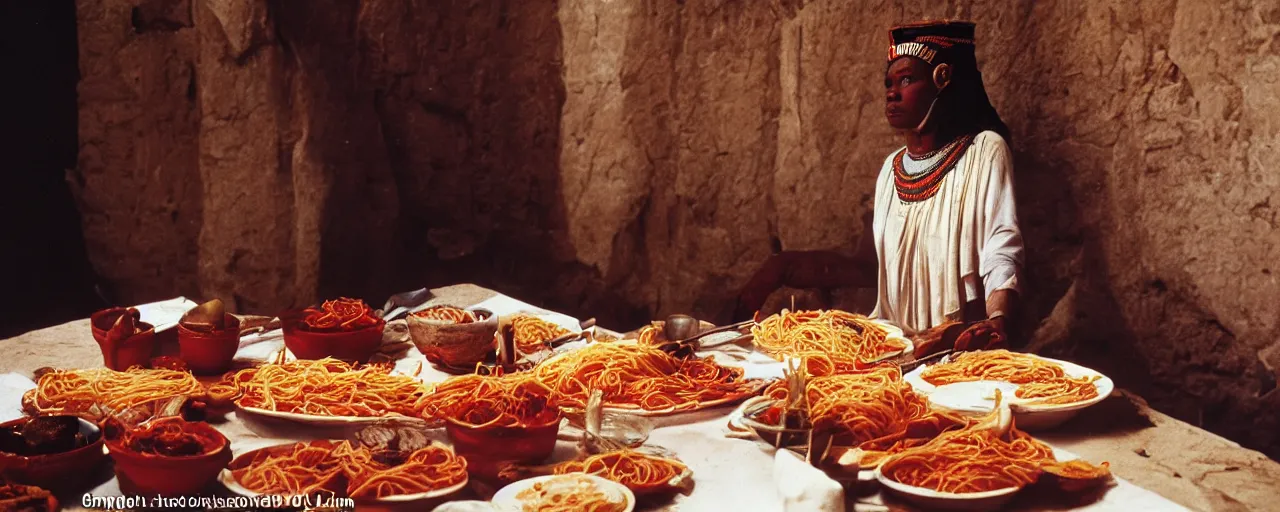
(640, 157)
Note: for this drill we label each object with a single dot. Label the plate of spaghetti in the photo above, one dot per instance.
(642, 380)
(849, 340)
(874, 410)
(324, 392)
(643, 473)
(979, 468)
(347, 469)
(565, 493)
(1046, 392)
(92, 393)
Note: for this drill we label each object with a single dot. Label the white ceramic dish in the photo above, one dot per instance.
(506, 501)
(1027, 414)
(934, 500)
(229, 480)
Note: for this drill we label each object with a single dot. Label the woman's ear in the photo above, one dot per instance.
(942, 76)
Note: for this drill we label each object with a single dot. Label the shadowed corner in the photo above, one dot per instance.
(1118, 414)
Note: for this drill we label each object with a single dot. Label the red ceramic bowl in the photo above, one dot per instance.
(210, 353)
(66, 471)
(152, 474)
(354, 346)
(135, 351)
(487, 449)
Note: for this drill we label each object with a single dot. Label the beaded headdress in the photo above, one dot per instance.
(934, 42)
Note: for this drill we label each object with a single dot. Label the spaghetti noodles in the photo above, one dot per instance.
(638, 377)
(86, 393)
(339, 315)
(172, 437)
(639, 472)
(1037, 379)
(480, 401)
(448, 315)
(875, 410)
(304, 468)
(569, 493)
(970, 460)
(843, 338)
(531, 332)
(324, 387)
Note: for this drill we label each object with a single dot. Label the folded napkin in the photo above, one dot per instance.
(804, 488)
(165, 314)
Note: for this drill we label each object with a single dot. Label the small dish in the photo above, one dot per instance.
(506, 499)
(455, 345)
(167, 475)
(934, 500)
(488, 449)
(56, 472)
(132, 351)
(351, 346)
(210, 353)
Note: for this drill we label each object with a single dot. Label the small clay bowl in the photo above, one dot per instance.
(134, 351)
(152, 474)
(65, 471)
(457, 345)
(489, 448)
(210, 353)
(353, 346)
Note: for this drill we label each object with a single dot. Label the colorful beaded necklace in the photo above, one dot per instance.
(913, 189)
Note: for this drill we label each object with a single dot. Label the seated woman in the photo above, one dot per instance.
(943, 246)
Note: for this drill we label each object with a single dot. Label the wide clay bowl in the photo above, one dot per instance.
(57, 472)
(352, 346)
(134, 351)
(210, 353)
(151, 474)
(489, 448)
(458, 345)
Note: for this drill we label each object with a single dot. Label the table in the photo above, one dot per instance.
(1163, 462)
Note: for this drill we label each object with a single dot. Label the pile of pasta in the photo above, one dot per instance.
(640, 472)
(324, 387)
(845, 339)
(640, 378)
(517, 399)
(96, 392)
(448, 315)
(308, 467)
(1037, 379)
(339, 315)
(874, 410)
(532, 332)
(977, 459)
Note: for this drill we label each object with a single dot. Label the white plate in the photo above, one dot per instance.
(934, 500)
(323, 421)
(1027, 414)
(234, 486)
(505, 499)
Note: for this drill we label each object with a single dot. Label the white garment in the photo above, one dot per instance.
(958, 246)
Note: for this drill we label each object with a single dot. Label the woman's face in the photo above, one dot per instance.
(908, 91)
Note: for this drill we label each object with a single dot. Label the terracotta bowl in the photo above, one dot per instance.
(459, 345)
(135, 351)
(210, 353)
(487, 449)
(151, 474)
(66, 471)
(353, 346)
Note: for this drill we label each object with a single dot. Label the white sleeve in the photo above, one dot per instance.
(1001, 258)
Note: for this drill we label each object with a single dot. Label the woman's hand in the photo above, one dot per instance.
(988, 334)
(984, 335)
